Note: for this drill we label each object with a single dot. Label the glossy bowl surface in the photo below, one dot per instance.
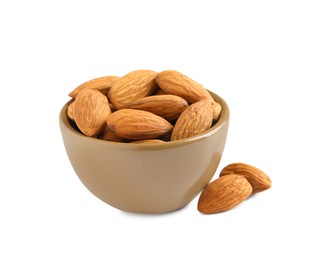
(146, 178)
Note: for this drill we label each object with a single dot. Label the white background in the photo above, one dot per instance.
(263, 57)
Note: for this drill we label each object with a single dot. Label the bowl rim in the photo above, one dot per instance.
(222, 121)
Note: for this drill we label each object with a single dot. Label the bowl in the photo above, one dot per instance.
(146, 178)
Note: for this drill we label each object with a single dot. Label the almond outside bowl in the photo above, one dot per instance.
(146, 178)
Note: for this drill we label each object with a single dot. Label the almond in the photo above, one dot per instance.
(176, 83)
(134, 85)
(103, 84)
(257, 178)
(70, 111)
(137, 124)
(167, 106)
(216, 110)
(91, 111)
(196, 119)
(109, 135)
(224, 193)
(149, 141)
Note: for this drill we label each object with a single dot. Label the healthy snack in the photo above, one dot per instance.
(224, 193)
(174, 82)
(91, 109)
(236, 182)
(134, 85)
(146, 107)
(257, 178)
(167, 106)
(103, 84)
(137, 124)
(196, 119)
(143, 105)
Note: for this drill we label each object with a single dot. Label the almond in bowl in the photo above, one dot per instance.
(145, 156)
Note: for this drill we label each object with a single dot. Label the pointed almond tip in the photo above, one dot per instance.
(224, 193)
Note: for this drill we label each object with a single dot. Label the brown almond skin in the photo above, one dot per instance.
(137, 124)
(103, 84)
(259, 180)
(91, 111)
(109, 135)
(70, 111)
(224, 193)
(167, 106)
(176, 83)
(148, 141)
(134, 85)
(216, 110)
(196, 119)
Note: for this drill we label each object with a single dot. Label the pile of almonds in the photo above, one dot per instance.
(143, 106)
(236, 182)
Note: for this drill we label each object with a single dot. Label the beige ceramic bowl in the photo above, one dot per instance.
(146, 178)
